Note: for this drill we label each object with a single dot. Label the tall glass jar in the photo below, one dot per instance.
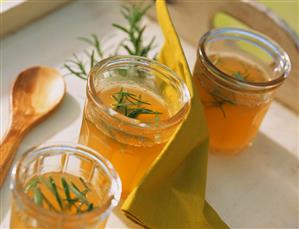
(237, 73)
(62, 161)
(132, 144)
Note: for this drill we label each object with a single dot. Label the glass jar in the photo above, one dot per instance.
(61, 161)
(132, 144)
(237, 73)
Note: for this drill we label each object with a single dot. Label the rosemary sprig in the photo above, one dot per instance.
(130, 104)
(133, 43)
(39, 198)
(219, 101)
(238, 75)
(76, 66)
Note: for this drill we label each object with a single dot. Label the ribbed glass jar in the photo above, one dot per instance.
(57, 161)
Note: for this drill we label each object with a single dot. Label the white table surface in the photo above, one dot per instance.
(256, 189)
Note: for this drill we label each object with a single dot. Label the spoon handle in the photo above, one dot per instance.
(8, 148)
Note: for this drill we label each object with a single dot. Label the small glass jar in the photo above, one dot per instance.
(237, 73)
(63, 160)
(132, 144)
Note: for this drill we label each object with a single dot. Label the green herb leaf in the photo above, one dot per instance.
(90, 207)
(219, 101)
(37, 197)
(139, 111)
(92, 60)
(130, 104)
(32, 184)
(55, 192)
(120, 27)
(79, 194)
(84, 184)
(238, 76)
(79, 208)
(72, 71)
(66, 189)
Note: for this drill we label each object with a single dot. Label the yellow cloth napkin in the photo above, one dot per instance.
(172, 194)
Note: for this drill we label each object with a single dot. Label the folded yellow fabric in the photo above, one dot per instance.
(172, 194)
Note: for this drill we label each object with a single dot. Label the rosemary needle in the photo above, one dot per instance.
(55, 192)
(84, 184)
(138, 111)
(79, 194)
(130, 104)
(37, 197)
(238, 76)
(219, 101)
(32, 184)
(90, 207)
(66, 191)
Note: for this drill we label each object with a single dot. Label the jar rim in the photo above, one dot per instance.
(46, 215)
(247, 36)
(121, 60)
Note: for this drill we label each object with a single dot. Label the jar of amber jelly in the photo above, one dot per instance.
(51, 189)
(237, 73)
(133, 107)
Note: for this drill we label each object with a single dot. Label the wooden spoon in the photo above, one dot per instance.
(36, 92)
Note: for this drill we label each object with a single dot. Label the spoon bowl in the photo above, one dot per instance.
(36, 92)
